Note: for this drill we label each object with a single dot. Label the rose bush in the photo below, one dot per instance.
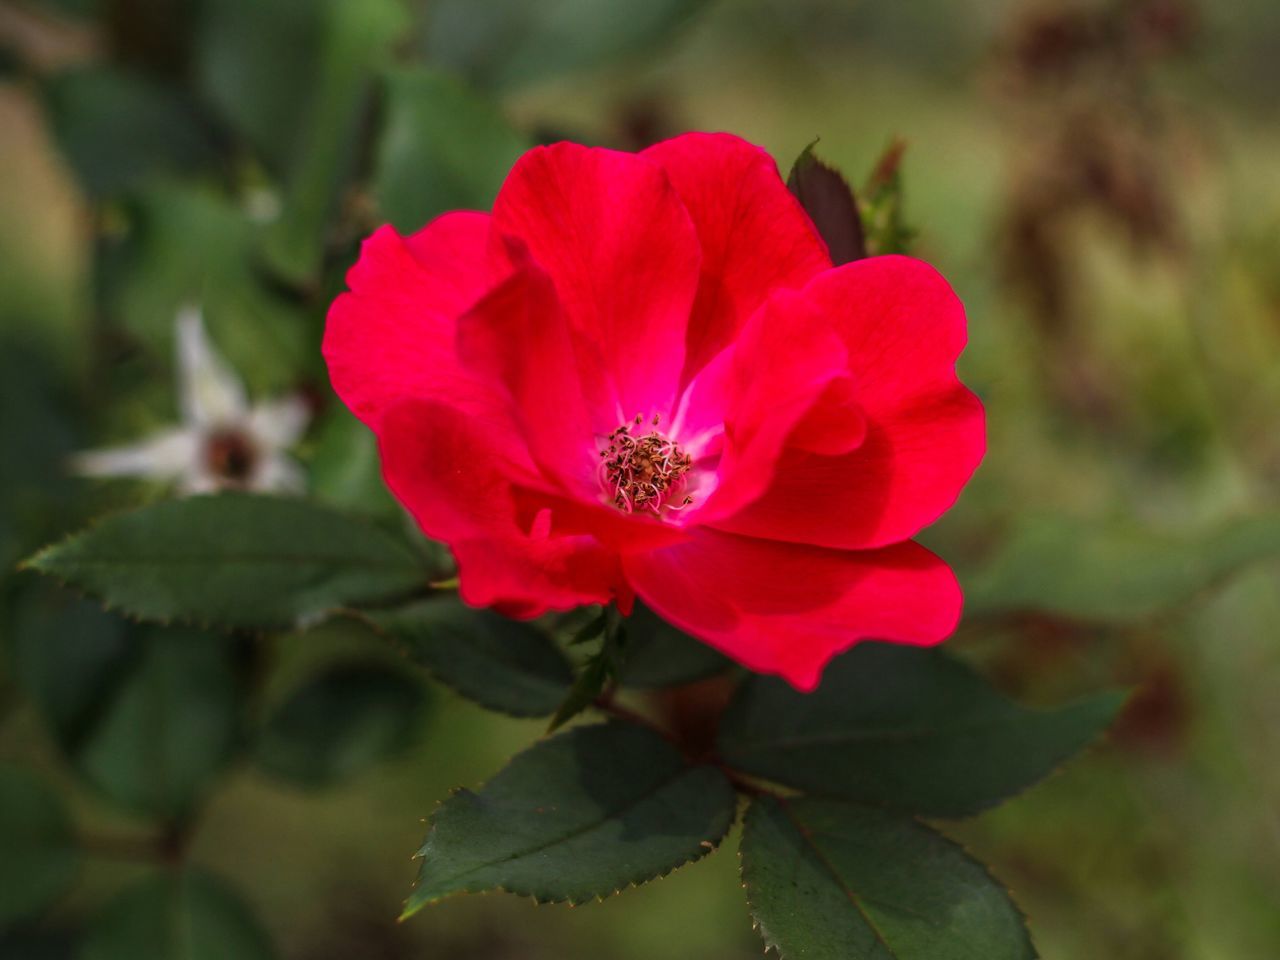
(641, 376)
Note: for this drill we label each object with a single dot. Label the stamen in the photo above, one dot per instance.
(643, 472)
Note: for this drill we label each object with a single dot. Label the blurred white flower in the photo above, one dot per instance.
(222, 442)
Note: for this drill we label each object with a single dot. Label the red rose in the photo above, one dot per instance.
(641, 375)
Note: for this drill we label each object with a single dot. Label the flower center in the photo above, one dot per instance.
(644, 471)
(230, 456)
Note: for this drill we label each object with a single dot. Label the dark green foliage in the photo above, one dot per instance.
(355, 41)
(179, 915)
(838, 881)
(117, 129)
(588, 685)
(257, 63)
(37, 433)
(501, 664)
(344, 469)
(826, 197)
(443, 148)
(904, 727)
(157, 267)
(600, 669)
(234, 560)
(659, 655)
(504, 42)
(36, 943)
(576, 817)
(1093, 572)
(148, 716)
(38, 854)
(68, 656)
(167, 726)
(340, 723)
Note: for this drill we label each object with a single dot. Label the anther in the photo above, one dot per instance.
(644, 472)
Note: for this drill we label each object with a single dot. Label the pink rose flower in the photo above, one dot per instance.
(640, 375)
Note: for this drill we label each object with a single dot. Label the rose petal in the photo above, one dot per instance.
(392, 337)
(527, 578)
(783, 361)
(903, 328)
(754, 235)
(517, 338)
(787, 609)
(451, 250)
(620, 247)
(835, 423)
(468, 481)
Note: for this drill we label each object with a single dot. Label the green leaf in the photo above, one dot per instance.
(36, 437)
(587, 686)
(583, 625)
(256, 62)
(507, 42)
(40, 855)
(659, 655)
(826, 197)
(234, 560)
(180, 915)
(148, 717)
(118, 129)
(345, 470)
(356, 39)
(578, 816)
(903, 727)
(168, 727)
(838, 881)
(1120, 574)
(501, 664)
(599, 669)
(341, 722)
(68, 656)
(443, 147)
(154, 269)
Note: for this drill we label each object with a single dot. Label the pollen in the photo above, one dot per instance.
(644, 471)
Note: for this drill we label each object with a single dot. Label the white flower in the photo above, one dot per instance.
(222, 442)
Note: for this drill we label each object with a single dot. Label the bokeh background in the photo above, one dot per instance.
(1099, 180)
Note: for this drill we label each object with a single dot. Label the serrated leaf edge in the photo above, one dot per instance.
(36, 564)
(539, 898)
(771, 944)
(402, 647)
(1121, 696)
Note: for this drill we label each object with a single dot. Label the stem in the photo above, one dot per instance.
(606, 704)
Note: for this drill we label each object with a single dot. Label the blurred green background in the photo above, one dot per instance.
(1101, 183)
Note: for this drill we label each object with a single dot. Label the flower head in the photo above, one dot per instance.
(641, 375)
(223, 442)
